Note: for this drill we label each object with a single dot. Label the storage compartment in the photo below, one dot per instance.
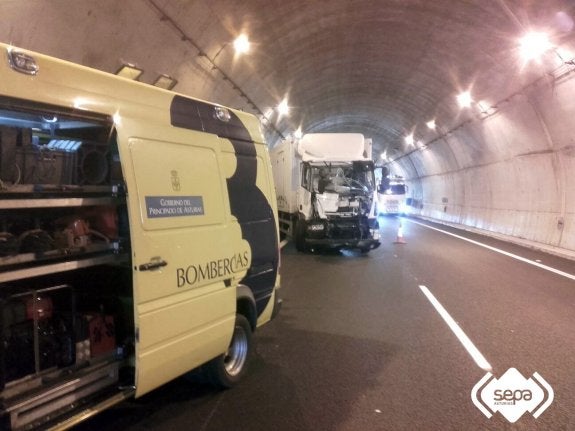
(40, 164)
(66, 302)
(10, 139)
(37, 332)
(65, 334)
(30, 236)
(40, 147)
(63, 162)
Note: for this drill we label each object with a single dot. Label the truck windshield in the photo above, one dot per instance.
(351, 177)
(396, 189)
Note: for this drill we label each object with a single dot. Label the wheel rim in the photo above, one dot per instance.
(237, 353)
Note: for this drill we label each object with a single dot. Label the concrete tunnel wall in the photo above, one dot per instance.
(507, 173)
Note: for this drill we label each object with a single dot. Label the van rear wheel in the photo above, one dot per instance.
(226, 370)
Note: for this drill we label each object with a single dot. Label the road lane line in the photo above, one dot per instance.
(497, 250)
(464, 339)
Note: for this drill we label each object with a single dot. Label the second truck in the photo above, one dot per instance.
(325, 185)
(392, 195)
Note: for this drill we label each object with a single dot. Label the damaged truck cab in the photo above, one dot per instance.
(326, 191)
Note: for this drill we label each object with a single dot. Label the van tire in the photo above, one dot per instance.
(226, 370)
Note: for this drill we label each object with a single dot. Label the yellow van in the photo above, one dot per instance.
(138, 239)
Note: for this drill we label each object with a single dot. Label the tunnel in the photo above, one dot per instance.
(498, 162)
(467, 106)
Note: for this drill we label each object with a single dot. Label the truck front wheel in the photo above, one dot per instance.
(226, 370)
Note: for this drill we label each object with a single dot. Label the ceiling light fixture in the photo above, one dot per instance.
(464, 99)
(166, 82)
(129, 71)
(242, 44)
(533, 45)
(409, 139)
(283, 108)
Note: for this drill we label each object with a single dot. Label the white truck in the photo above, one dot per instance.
(391, 195)
(325, 187)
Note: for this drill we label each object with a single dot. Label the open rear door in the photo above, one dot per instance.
(185, 254)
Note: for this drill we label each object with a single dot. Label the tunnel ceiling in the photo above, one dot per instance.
(380, 67)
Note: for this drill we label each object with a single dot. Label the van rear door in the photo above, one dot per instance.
(185, 253)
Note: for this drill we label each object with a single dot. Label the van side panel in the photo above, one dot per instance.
(257, 222)
(248, 203)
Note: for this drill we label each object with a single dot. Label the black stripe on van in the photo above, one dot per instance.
(247, 202)
(201, 116)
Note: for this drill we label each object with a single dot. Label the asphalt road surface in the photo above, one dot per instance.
(364, 342)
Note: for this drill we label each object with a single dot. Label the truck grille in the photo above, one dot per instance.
(344, 230)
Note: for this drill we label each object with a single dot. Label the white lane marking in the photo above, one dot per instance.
(497, 250)
(464, 339)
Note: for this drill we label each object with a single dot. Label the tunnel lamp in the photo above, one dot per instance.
(431, 125)
(464, 99)
(129, 71)
(242, 44)
(533, 45)
(283, 108)
(409, 139)
(298, 133)
(166, 82)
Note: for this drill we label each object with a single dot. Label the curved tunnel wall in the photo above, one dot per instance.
(509, 173)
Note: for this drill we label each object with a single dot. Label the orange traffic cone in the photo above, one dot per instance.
(399, 239)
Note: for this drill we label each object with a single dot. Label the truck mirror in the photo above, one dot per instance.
(384, 171)
(384, 185)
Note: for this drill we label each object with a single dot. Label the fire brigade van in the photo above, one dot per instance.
(138, 240)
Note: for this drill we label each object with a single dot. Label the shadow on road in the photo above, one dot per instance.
(311, 386)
